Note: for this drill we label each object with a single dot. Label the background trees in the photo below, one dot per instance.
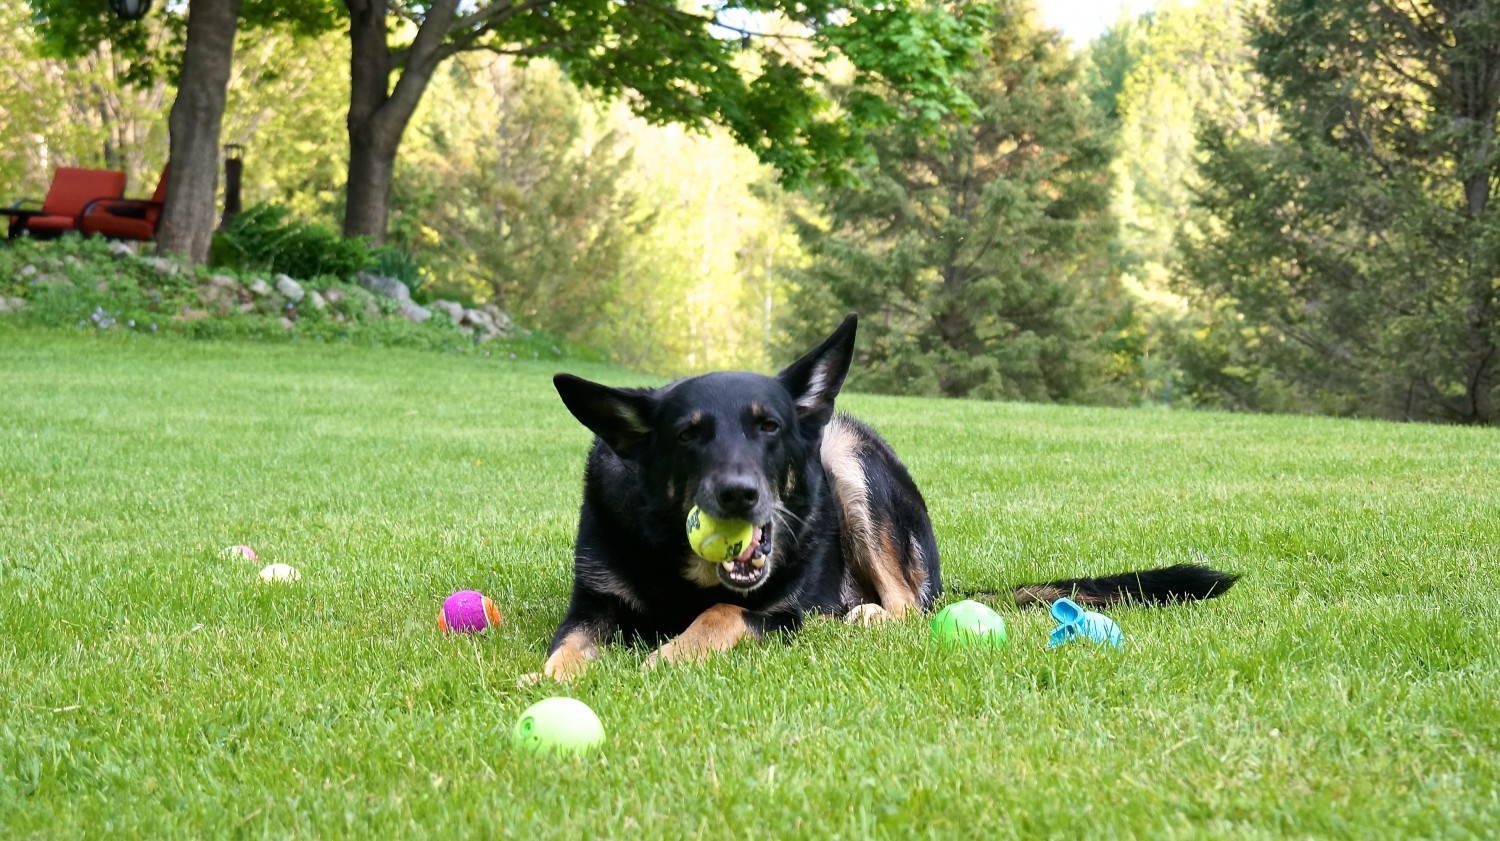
(679, 63)
(978, 256)
(193, 45)
(1361, 237)
(1157, 78)
(514, 189)
(57, 111)
(1246, 204)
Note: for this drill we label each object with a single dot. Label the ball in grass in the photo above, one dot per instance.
(468, 612)
(280, 572)
(557, 726)
(969, 624)
(717, 540)
(241, 551)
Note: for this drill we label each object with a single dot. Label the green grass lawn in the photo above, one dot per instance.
(1349, 686)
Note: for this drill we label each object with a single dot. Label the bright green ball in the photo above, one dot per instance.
(557, 726)
(969, 624)
(716, 540)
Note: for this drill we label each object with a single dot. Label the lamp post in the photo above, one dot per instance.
(130, 9)
(234, 166)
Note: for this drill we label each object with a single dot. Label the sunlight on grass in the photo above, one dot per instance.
(1349, 686)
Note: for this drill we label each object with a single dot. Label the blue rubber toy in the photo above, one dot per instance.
(1075, 623)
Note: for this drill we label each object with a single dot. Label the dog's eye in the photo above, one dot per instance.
(688, 435)
(769, 426)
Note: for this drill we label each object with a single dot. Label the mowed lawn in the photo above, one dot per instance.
(1349, 686)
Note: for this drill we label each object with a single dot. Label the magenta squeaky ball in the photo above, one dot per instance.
(468, 612)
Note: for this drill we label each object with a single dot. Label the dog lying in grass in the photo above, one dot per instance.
(840, 527)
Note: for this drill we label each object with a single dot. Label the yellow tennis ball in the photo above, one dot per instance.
(717, 540)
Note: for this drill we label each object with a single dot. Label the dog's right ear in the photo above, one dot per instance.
(621, 417)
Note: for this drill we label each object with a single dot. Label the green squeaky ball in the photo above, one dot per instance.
(716, 540)
(557, 726)
(969, 624)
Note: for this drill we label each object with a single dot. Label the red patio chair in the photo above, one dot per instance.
(125, 218)
(72, 188)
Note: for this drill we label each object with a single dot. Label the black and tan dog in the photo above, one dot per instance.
(841, 528)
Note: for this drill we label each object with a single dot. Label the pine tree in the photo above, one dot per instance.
(977, 257)
(1361, 243)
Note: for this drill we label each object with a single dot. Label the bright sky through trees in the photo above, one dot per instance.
(1081, 20)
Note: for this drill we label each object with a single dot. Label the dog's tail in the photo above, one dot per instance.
(1177, 583)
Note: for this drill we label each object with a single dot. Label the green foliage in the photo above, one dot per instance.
(512, 189)
(1360, 240)
(768, 87)
(264, 238)
(150, 49)
(702, 285)
(1111, 57)
(72, 112)
(1183, 64)
(394, 261)
(977, 257)
(585, 222)
(1158, 76)
(283, 108)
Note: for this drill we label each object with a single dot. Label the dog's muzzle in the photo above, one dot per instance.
(753, 566)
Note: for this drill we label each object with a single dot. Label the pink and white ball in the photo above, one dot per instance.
(468, 612)
(241, 551)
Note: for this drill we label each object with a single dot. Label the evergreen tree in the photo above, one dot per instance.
(977, 257)
(1360, 243)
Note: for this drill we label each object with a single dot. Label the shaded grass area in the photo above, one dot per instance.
(1348, 687)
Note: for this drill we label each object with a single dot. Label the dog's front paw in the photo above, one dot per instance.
(566, 663)
(675, 654)
(652, 660)
(529, 680)
(868, 614)
(719, 628)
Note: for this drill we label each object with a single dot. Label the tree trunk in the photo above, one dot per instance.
(379, 112)
(187, 220)
(372, 160)
(1474, 87)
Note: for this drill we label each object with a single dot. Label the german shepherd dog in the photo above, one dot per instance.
(840, 527)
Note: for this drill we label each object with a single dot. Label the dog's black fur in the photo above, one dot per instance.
(845, 530)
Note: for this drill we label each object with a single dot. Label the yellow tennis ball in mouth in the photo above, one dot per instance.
(717, 540)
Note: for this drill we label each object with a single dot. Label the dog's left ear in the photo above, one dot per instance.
(815, 379)
(621, 417)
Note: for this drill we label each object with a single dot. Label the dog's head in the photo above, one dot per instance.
(732, 443)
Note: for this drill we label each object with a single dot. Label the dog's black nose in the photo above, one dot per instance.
(737, 497)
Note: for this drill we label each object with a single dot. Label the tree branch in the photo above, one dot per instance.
(519, 52)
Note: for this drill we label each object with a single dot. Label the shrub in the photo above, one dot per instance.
(263, 238)
(390, 261)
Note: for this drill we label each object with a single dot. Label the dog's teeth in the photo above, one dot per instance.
(729, 566)
(758, 561)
